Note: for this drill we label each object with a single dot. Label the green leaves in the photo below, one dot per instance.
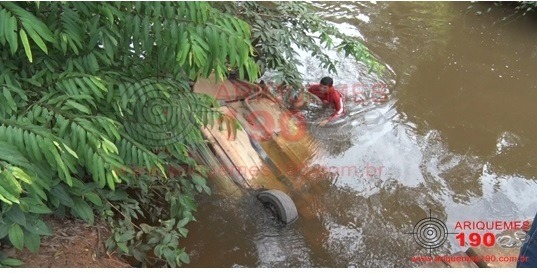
(200, 183)
(14, 16)
(10, 31)
(62, 195)
(70, 104)
(11, 177)
(26, 233)
(34, 206)
(94, 198)
(16, 215)
(32, 241)
(203, 47)
(38, 227)
(37, 144)
(71, 77)
(183, 257)
(9, 99)
(82, 87)
(16, 236)
(10, 262)
(26, 44)
(277, 26)
(83, 210)
(37, 38)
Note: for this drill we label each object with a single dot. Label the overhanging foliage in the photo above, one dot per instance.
(91, 90)
(279, 26)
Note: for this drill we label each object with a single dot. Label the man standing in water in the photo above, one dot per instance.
(329, 96)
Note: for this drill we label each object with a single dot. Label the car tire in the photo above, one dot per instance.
(281, 204)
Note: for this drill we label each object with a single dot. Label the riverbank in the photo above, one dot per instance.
(73, 244)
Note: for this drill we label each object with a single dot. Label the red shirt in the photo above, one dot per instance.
(332, 96)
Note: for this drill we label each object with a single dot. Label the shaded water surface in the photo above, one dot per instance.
(455, 140)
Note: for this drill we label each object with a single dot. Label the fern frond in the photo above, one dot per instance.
(81, 84)
(12, 99)
(76, 79)
(13, 16)
(12, 160)
(98, 154)
(11, 179)
(39, 144)
(137, 155)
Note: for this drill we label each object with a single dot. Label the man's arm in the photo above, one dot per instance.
(338, 105)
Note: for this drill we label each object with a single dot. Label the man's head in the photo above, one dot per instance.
(325, 84)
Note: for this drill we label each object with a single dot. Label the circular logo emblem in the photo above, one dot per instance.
(430, 233)
(159, 111)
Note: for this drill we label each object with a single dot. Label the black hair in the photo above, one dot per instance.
(327, 81)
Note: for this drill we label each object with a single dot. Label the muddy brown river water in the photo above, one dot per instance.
(455, 140)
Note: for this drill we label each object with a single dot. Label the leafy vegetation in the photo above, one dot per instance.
(97, 118)
(280, 28)
(92, 93)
